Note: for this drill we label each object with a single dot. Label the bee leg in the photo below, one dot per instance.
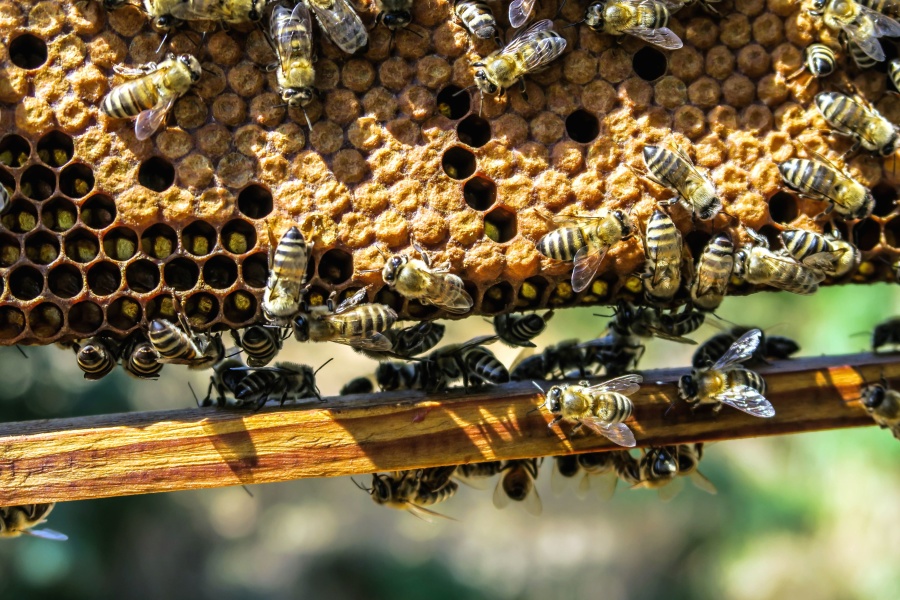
(554, 422)
(524, 89)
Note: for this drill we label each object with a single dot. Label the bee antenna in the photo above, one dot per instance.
(306, 116)
(194, 394)
(320, 368)
(463, 90)
(246, 489)
(534, 383)
(605, 316)
(571, 24)
(162, 42)
(22, 352)
(361, 486)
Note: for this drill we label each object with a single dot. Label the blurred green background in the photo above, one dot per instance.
(810, 515)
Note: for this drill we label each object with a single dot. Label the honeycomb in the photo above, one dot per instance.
(104, 230)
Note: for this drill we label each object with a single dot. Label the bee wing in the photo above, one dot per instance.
(524, 353)
(193, 10)
(670, 490)
(424, 513)
(519, 11)
(540, 53)
(288, 40)
(587, 263)
(700, 481)
(559, 482)
(457, 301)
(823, 261)
(785, 278)
(742, 349)
(748, 400)
(867, 27)
(351, 302)
(47, 534)
(376, 342)
(883, 25)
(501, 499)
(532, 502)
(672, 338)
(336, 18)
(662, 37)
(618, 433)
(149, 120)
(626, 384)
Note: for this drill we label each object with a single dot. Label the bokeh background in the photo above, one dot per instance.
(810, 515)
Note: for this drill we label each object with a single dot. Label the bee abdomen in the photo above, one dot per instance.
(519, 330)
(664, 164)
(170, 342)
(562, 244)
(614, 408)
(748, 378)
(291, 257)
(96, 358)
(130, 99)
(142, 361)
(261, 344)
(482, 364)
(801, 243)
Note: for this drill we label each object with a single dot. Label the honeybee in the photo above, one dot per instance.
(621, 349)
(528, 52)
(829, 254)
(97, 356)
(586, 242)
(409, 341)
(725, 383)
(395, 14)
(602, 407)
(519, 11)
(152, 93)
(517, 483)
(771, 347)
(468, 361)
(227, 375)
(160, 12)
(758, 265)
(231, 12)
(864, 124)
(688, 456)
(341, 23)
(662, 249)
(520, 330)
(416, 279)
(139, 359)
(883, 404)
(819, 60)
(593, 469)
(183, 347)
(260, 343)
(862, 60)
(413, 490)
(825, 183)
(713, 273)
(351, 323)
(421, 375)
(21, 520)
(281, 381)
(482, 367)
(676, 171)
(894, 72)
(647, 321)
(477, 18)
(357, 385)
(886, 334)
(554, 361)
(287, 278)
(644, 19)
(658, 468)
(862, 25)
(291, 30)
(478, 470)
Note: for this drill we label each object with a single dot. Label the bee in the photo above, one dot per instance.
(586, 242)
(139, 359)
(594, 469)
(648, 321)
(662, 249)
(477, 18)
(688, 456)
(351, 323)
(227, 374)
(825, 183)
(520, 330)
(713, 273)
(230, 12)
(422, 375)
(517, 484)
(862, 25)
(357, 385)
(658, 468)
(21, 520)
(341, 23)
(829, 254)
(291, 30)
(886, 334)
(468, 361)
(862, 60)
(883, 404)
(725, 383)
(415, 279)
(4, 198)
(676, 171)
(627, 467)
(759, 265)
(283, 380)
(287, 278)
(819, 60)
(183, 347)
(152, 92)
(408, 342)
(868, 128)
(482, 367)
(97, 357)
(479, 469)
(894, 72)
(160, 12)
(413, 490)
(602, 407)
(260, 343)
(621, 349)
(644, 19)
(554, 361)
(395, 14)
(771, 347)
(519, 11)
(528, 52)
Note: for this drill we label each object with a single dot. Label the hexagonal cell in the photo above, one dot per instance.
(9, 250)
(8, 181)
(38, 182)
(28, 51)
(14, 151)
(783, 208)
(85, 317)
(885, 199)
(201, 309)
(20, 217)
(500, 224)
(198, 238)
(531, 292)
(142, 276)
(76, 180)
(42, 247)
(239, 307)
(45, 320)
(474, 131)
(159, 241)
(255, 202)
(220, 272)
(12, 322)
(771, 233)
(26, 283)
(104, 278)
(582, 127)
(867, 234)
(336, 266)
(453, 102)
(480, 192)
(181, 274)
(81, 245)
(238, 236)
(65, 281)
(389, 298)
(561, 294)
(120, 243)
(55, 148)
(892, 232)
(59, 214)
(156, 173)
(316, 295)
(124, 313)
(458, 162)
(649, 63)
(497, 298)
(696, 242)
(161, 307)
(255, 270)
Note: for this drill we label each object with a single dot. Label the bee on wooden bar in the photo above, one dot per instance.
(868, 128)
(519, 330)
(771, 347)
(287, 278)
(818, 59)
(468, 361)
(478, 470)
(713, 273)
(862, 25)
(415, 279)
(829, 254)
(676, 171)
(21, 520)
(413, 490)
(759, 265)
(291, 31)
(230, 12)
(139, 359)
(352, 322)
(408, 342)
(421, 375)
(341, 23)
(688, 456)
(357, 385)
(554, 361)
(478, 19)
(644, 19)
(97, 356)
(517, 484)
(658, 468)
(886, 334)
(184, 347)
(260, 343)
(227, 374)
(883, 404)
(662, 249)
(152, 92)
(282, 381)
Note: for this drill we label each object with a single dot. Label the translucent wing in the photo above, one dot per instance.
(742, 349)
(519, 11)
(351, 302)
(587, 263)
(786, 278)
(605, 484)
(823, 261)
(670, 490)
(618, 433)
(748, 400)
(559, 482)
(541, 53)
(194, 10)
(667, 336)
(424, 513)
(501, 499)
(336, 20)
(662, 37)
(866, 39)
(883, 25)
(532, 503)
(626, 384)
(47, 534)
(376, 341)
(149, 120)
(289, 39)
(456, 301)
(700, 480)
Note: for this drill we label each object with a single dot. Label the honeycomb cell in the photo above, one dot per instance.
(238, 236)
(98, 211)
(104, 278)
(28, 51)
(198, 238)
(255, 270)
(885, 199)
(867, 234)
(9, 250)
(389, 298)
(42, 247)
(783, 208)
(500, 224)
(480, 192)
(239, 307)
(76, 180)
(892, 232)
(12, 322)
(181, 274)
(120, 243)
(156, 173)
(124, 313)
(26, 283)
(458, 162)
(497, 298)
(20, 217)
(59, 214)
(474, 131)
(696, 242)
(8, 181)
(55, 148)
(649, 63)
(772, 234)
(335, 266)
(453, 102)
(142, 276)
(159, 241)
(255, 201)
(38, 182)
(45, 320)
(582, 126)
(220, 272)
(201, 309)
(85, 317)
(531, 292)
(161, 307)
(14, 151)
(65, 281)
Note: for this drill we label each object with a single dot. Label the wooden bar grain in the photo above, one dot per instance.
(163, 451)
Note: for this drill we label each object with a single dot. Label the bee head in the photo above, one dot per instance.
(687, 387)
(387, 376)
(301, 327)
(256, 10)
(873, 396)
(193, 66)
(397, 19)
(881, 335)
(593, 16)
(484, 84)
(624, 222)
(392, 268)
(163, 24)
(554, 400)
(740, 262)
(664, 463)
(381, 491)
(297, 97)
(817, 6)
